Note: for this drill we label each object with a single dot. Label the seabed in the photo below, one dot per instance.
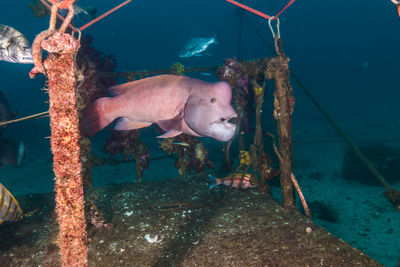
(200, 227)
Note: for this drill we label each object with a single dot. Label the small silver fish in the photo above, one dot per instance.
(196, 46)
(13, 46)
(79, 10)
(180, 143)
(88, 11)
(205, 73)
(9, 206)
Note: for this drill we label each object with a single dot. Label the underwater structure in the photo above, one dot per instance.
(73, 83)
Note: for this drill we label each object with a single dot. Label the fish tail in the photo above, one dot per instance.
(214, 181)
(215, 37)
(91, 12)
(94, 117)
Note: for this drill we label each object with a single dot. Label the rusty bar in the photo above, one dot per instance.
(284, 104)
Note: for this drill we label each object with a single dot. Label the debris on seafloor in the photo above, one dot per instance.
(244, 229)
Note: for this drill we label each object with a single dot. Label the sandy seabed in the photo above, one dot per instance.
(247, 228)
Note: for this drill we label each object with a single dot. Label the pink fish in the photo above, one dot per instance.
(228, 180)
(178, 104)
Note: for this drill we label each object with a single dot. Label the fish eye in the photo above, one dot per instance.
(223, 119)
(213, 100)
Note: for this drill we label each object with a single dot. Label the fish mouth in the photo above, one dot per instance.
(228, 122)
(27, 59)
(23, 59)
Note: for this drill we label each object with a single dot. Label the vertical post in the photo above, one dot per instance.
(283, 109)
(258, 136)
(61, 71)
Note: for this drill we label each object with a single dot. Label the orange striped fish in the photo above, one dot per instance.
(228, 180)
(9, 206)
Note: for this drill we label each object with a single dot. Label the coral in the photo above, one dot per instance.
(244, 157)
(93, 70)
(95, 217)
(167, 145)
(244, 85)
(229, 70)
(128, 143)
(192, 156)
(248, 82)
(177, 69)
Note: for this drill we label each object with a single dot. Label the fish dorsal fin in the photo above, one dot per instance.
(122, 88)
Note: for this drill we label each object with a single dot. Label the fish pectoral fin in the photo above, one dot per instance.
(170, 133)
(127, 124)
(172, 124)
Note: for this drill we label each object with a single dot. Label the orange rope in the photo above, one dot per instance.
(293, 178)
(301, 196)
(104, 15)
(58, 15)
(265, 16)
(63, 4)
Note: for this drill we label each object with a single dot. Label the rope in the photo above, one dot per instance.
(38, 115)
(348, 140)
(254, 11)
(65, 6)
(104, 15)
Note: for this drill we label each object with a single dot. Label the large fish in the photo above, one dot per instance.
(196, 46)
(397, 3)
(178, 104)
(11, 152)
(9, 206)
(5, 110)
(13, 46)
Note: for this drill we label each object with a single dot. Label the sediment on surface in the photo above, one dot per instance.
(241, 229)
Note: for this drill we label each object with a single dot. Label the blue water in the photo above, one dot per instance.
(345, 52)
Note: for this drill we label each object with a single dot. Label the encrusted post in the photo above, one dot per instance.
(283, 103)
(60, 69)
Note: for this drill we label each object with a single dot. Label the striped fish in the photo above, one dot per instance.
(9, 207)
(13, 46)
(237, 178)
